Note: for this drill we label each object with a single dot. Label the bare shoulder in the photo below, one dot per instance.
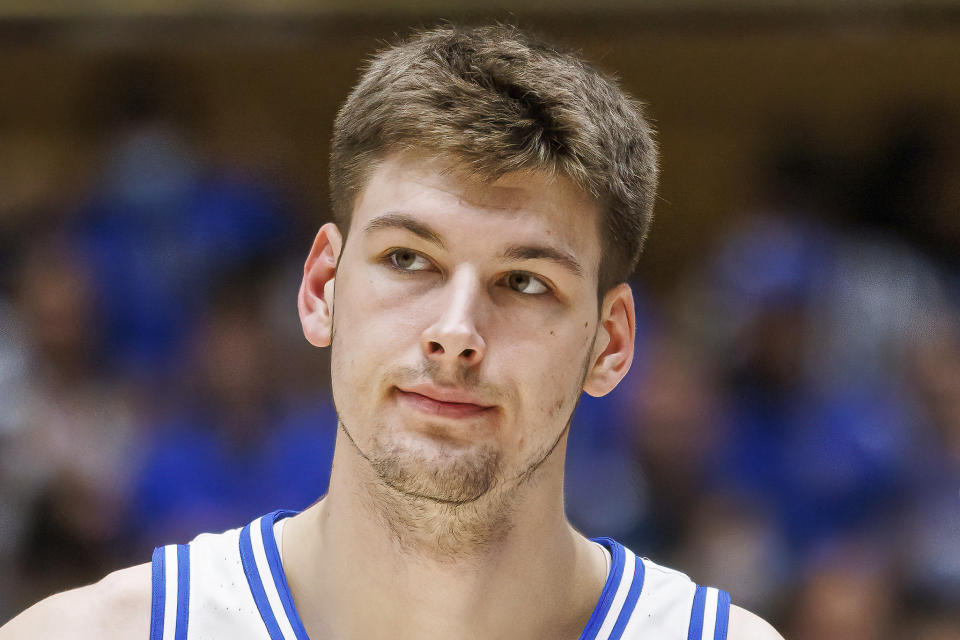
(116, 607)
(744, 625)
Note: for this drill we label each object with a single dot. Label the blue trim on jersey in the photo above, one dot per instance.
(696, 614)
(276, 569)
(159, 594)
(723, 615)
(590, 632)
(256, 586)
(599, 614)
(632, 596)
(183, 591)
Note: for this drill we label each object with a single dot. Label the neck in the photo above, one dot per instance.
(366, 562)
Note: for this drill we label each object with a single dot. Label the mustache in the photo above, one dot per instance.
(467, 379)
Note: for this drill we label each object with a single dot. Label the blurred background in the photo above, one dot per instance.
(790, 430)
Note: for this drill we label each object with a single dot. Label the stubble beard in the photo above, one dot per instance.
(443, 509)
(451, 511)
(455, 478)
(453, 506)
(450, 505)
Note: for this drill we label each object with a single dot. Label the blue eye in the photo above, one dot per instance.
(522, 282)
(407, 260)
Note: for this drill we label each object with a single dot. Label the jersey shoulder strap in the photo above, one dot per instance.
(170, 600)
(686, 611)
(709, 614)
(643, 600)
(200, 590)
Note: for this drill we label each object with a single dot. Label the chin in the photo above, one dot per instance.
(433, 466)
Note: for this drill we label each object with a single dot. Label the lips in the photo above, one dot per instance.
(446, 403)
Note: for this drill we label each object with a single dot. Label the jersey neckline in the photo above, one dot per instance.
(260, 557)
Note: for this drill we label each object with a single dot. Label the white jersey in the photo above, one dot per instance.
(232, 586)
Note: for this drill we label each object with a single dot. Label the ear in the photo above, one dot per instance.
(315, 300)
(613, 350)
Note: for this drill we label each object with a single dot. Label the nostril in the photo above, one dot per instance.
(436, 347)
(468, 353)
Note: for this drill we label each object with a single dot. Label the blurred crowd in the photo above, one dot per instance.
(790, 429)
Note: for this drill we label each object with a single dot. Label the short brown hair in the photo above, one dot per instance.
(498, 100)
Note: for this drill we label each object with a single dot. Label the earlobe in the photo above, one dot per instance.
(615, 341)
(315, 300)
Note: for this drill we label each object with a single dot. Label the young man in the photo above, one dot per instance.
(491, 196)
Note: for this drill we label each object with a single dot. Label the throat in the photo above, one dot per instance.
(518, 587)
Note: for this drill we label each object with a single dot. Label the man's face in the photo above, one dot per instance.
(465, 314)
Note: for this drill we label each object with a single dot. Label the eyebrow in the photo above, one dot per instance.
(516, 252)
(541, 252)
(395, 220)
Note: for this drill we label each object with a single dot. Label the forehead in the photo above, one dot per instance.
(519, 206)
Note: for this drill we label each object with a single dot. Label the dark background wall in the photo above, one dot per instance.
(725, 88)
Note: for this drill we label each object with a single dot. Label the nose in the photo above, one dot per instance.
(453, 339)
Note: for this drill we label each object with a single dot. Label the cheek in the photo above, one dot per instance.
(549, 367)
(374, 326)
